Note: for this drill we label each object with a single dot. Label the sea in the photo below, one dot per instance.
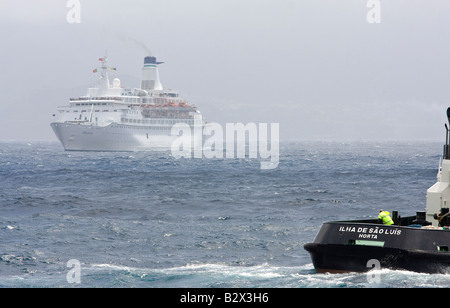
(149, 220)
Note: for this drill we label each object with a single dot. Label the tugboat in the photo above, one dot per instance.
(417, 243)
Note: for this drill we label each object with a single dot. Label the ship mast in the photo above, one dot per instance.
(103, 80)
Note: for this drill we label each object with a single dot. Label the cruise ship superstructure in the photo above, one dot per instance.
(114, 118)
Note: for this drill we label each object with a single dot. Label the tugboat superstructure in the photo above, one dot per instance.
(417, 243)
(113, 118)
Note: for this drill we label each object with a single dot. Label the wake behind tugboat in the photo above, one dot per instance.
(415, 243)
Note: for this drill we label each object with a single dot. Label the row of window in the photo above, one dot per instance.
(106, 110)
(131, 100)
(154, 121)
(144, 127)
(90, 104)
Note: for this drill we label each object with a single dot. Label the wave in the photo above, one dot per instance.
(201, 275)
(266, 275)
(220, 275)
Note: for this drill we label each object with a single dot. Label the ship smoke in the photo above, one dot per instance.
(128, 39)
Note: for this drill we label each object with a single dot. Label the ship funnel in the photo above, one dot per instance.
(150, 74)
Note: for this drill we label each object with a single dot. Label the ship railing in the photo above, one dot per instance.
(97, 98)
(77, 121)
(156, 122)
(171, 104)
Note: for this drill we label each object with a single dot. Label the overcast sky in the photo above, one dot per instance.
(317, 67)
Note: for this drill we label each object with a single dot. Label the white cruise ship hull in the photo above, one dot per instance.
(114, 137)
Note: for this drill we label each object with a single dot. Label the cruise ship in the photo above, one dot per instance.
(111, 117)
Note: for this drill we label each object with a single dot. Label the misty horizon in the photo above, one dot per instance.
(318, 68)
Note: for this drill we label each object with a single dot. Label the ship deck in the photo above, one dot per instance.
(398, 221)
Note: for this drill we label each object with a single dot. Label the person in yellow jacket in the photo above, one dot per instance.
(385, 218)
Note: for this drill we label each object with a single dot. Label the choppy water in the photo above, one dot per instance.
(149, 220)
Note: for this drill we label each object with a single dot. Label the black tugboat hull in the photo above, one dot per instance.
(349, 246)
(341, 259)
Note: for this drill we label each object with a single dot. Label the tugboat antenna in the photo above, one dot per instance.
(446, 153)
(448, 114)
(446, 146)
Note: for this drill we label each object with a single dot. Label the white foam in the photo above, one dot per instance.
(300, 276)
(263, 271)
